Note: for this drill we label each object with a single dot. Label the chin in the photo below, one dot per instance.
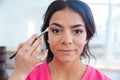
(66, 60)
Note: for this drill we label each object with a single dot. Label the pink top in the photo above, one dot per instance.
(41, 72)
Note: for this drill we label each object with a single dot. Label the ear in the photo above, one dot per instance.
(86, 42)
(48, 41)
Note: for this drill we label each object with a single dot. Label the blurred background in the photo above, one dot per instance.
(19, 19)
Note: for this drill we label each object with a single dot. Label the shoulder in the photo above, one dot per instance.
(38, 72)
(39, 68)
(94, 74)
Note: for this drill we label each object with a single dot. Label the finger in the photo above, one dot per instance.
(35, 48)
(27, 44)
(30, 40)
(44, 56)
(20, 46)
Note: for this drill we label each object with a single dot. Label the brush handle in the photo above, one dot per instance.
(32, 42)
(13, 55)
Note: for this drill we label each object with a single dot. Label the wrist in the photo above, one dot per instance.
(17, 75)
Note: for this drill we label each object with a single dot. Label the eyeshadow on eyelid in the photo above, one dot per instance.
(59, 26)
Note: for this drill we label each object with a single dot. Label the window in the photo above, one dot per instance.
(106, 43)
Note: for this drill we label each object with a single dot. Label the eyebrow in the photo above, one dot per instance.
(73, 26)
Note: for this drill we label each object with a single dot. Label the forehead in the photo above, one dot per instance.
(67, 17)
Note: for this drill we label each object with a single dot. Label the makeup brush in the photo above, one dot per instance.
(46, 30)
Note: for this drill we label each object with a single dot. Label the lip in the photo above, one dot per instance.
(66, 51)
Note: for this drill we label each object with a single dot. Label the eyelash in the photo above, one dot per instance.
(75, 32)
(56, 31)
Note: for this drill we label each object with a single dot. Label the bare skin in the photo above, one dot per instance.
(68, 33)
(26, 59)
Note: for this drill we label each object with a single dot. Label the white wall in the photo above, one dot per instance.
(15, 16)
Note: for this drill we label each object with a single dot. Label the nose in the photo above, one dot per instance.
(66, 38)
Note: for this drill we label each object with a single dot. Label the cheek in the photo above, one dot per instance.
(83, 39)
(79, 49)
(53, 46)
(53, 41)
(80, 43)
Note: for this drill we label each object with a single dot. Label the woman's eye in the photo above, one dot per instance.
(56, 31)
(78, 31)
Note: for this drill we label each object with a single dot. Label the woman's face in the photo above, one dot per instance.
(67, 35)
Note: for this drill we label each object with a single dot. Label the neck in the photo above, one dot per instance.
(66, 69)
(66, 65)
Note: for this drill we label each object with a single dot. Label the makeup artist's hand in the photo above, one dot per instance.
(26, 59)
